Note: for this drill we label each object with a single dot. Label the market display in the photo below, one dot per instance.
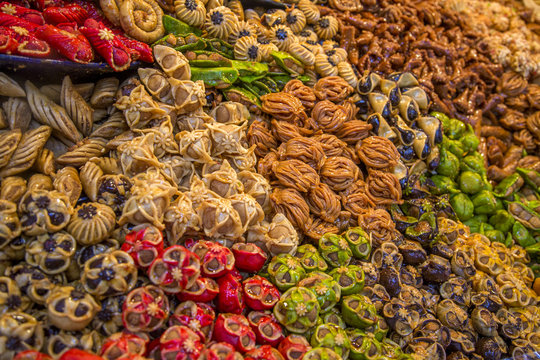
(280, 181)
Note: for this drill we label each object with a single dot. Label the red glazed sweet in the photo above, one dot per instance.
(29, 44)
(293, 347)
(22, 12)
(68, 41)
(265, 352)
(138, 49)
(203, 290)
(8, 43)
(216, 259)
(76, 354)
(249, 257)
(65, 14)
(145, 309)
(235, 330)
(31, 355)
(175, 270)
(107, 44)
(266, 328)
(231, 295)
(144, 244)
(121, 344)
(180, 343)
(10, 20)
(220, 351)
(198, 317)
(259, 293)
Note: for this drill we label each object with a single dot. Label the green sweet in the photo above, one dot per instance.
(326, 289)
(350, 278)
(333, 317)
(363, 345)
(358, 241)
(242, 95)
(220, 77)
(502, 220)
(297, 310)
(379, 329)
(250, 71)
(285, 271)
(448, 165)
(177, 27)
(473, 162)
(321, 353)
(463, 206)
(310, 258)
(469, 140)
(470, 183)
(335, 250)
(443, 185)
(332, 337)
(522, 235)
(508, 186)
(358, 311)
(484, 202)
(453, 146)
(287, 62)
(495, 235)
(531, 177)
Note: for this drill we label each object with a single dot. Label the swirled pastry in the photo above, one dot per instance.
(247, 48)
(355, 198)
(8, 144)
(378, 153)
(45, 163)
(91, 223)
(12, 188)
(326, 65)
(10, 226)
(40, 182)
(346, 71)
(379, 225)
(220, 22)
(192, 12)
(77, 108)
(326, 27)
(302, 53)
(242, 29)
(296, 20)
(333, 88)
(282, 36)
(310, 11)
(283, 131)
(353, 130)
(27, 151)
(260, 135)
(307, 150)
(142, 19)
(330, 144)
(283, 106)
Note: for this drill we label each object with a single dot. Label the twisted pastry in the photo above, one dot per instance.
(378, 153)
(323, 202)
(339, 173)
(191, 12)
(353, 131)
(331, 145)
(290, 203)
(328, 116)
(333, 88)
(295, 174)
(533, 124)
(142, 19)
(283, 106)
(355, 198)
(260, 135)
(316, 228)
(307, 150)
(283, 131)
(378, 224)
(220, 22)
(304, 93)
(383, 188)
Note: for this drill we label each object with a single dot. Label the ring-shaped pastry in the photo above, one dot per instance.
(247, 48)
(191, 12)
(142, 19)
(220, 22)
